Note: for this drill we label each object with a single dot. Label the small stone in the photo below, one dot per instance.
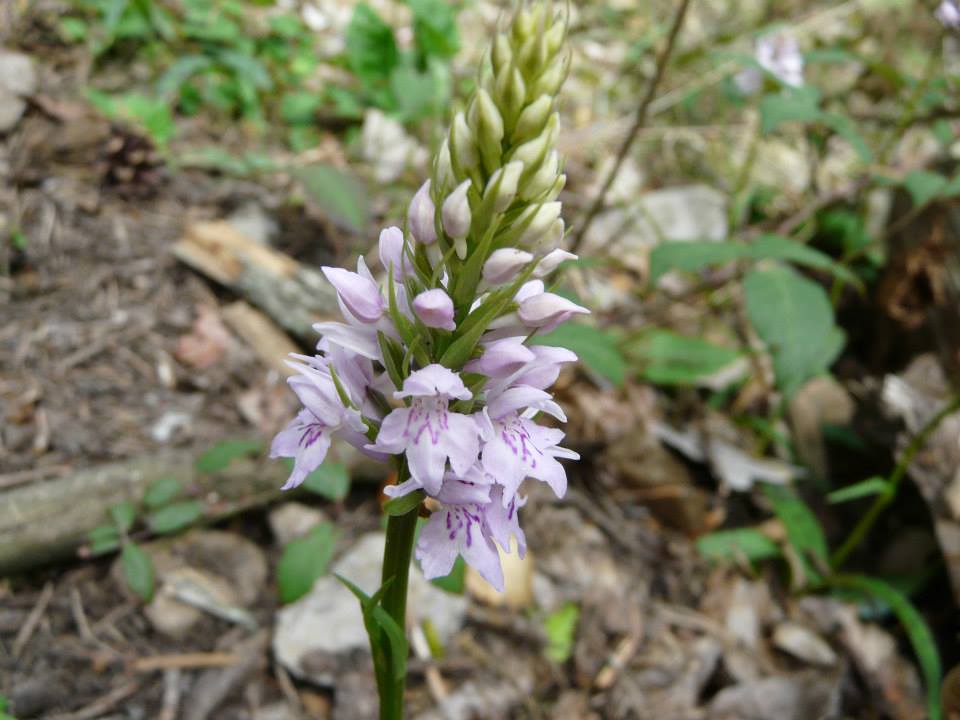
(18, 79)
(804, 644)
(293, 520)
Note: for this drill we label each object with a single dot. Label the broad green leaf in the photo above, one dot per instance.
(435, 28)
(303, 561)
(803, 531)
(161, 492)
(800, 104)
(793, 316)
(865, 488)
(371, 48)
(176, 517)
(182, 70)
(223, 453)
(691, 256)
(454, 582)
(103, 539)
(778, 247)
(914, 625)
(138, 571)
(560, 627)
(247, 67)
(337, 193)
(671, 359)
(737, 544)
(597, 349)
(404, 504)
(123, 514)
(414, 92)
(924, 186)
(300, 108)
(331, 480)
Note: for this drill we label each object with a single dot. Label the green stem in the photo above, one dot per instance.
(880, 502)
(396, 570)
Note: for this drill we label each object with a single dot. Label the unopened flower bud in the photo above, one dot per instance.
(543, 216)
(543, 179)
(420, 216)
(435, 309)
(487, 123)
(500, 54)
(463, 145)
(511, 91)
(455, 212)
(549, 83)
(551, 261)
(444, 168)
(547, 310)
(393, 252)
(533, 118)
(555, 35)
(502, 358)
(502, 185)
(532, 151)
(504, 264)
(359, 294)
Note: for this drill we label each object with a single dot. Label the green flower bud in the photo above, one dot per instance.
(502, 187)
(543, 179)
(443, 169)
(487, 123)
(511, 91)
(555, 35)
(500, 55)
(532, 119)
(463, 146)
(552, 78)
(540, 222)
(532, 152)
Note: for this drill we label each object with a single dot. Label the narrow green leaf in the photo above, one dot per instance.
(737, 544)
(914, 625)
(303, 561)
(597, 349)
(331, 480)
(103, 539)
(803, 531)
(161, 492)
(777, 247)
(138, 572)
(404, 504)
(223, 453)
(336, 193)
(123, 514)
(924, 186)
(435, 28)
(800, 104)
(560, 627)
(668, 358)
(176, 517)
(865, 488)
(847, 129)
(397, 641)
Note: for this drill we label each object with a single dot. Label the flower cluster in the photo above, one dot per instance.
(777, 54)
(432, 365)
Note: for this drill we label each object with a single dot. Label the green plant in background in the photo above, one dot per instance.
(409, 85)
(4, 704)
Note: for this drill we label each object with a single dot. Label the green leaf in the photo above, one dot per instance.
(414, 92)
(455, 581)
(914, 625)
(803, 531)
(560, 627)
(337, 193)
(404, 504)
(865, 488)
(924, 186)
(793, 316)
(847, 129)
(73, 29)
(162, 491)
(778, 247)
(691, 256)
(123, 514)
(671, 359)
(434, 28)
(138, 572)
(247, 67)
(304, 560)
(734, 545)
(223, 453)
(371, 48)
(800, 104)
(598, 349)
(396, 639)
(331, 480)
(176, 517)
(300, 108)
(182, 70)
(103, 539)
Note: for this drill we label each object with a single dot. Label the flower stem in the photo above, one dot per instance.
(880, 502)
(396, 571)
